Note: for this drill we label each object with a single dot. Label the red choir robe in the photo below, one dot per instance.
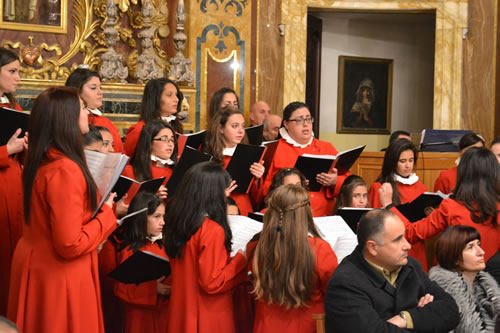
(54, 278)
(275, 318)
(451, 212)
(144, 310)
(102, 121)
(407, 193)
(11, 214)
(285, 157)
(132, 137)
(446, 181)
(242, 199)
(202, 282)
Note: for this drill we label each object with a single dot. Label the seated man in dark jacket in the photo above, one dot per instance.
(378, 288)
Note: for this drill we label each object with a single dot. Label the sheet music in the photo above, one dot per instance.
(243, 229)
(335, 231)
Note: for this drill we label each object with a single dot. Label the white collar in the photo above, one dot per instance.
(153, 239)
(229, 151)
(95, 111)
(169, 119)
(412, 179)
(161, 162)
(284, 134)
(4, 100)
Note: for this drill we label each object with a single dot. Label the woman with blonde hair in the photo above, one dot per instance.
(291, 264)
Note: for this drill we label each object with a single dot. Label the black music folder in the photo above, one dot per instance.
(193, 140)
(415, 210)
(10, 121)
(239, 165)
(256, 216)
(311, 165)
(140, 267)
(190, 156)
(124, 184)
(352, 215)
(269, 155)
(255, 134)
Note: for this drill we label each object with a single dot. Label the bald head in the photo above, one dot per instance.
(271, 127)
(6, 326)
(259, 111)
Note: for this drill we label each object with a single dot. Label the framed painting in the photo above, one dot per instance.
(364, 95)
(34, 15)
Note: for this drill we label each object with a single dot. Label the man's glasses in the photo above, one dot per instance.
(302, 121)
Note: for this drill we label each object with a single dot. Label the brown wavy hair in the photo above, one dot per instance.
(284, 263)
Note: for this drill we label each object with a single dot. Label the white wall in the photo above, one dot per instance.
(409, 40)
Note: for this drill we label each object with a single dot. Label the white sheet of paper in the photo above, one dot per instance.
(335, 231)
(243, 229)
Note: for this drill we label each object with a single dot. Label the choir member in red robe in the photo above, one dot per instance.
(475, 202)
(447, 178)
(54, 279)
(291, 265)
(11, 197)
(88, 84)
(198, 243)
(145, 304)
(221, 98)
(155, 156)
(227, 129)
(162, 99)
(397, 169)
(297, 139)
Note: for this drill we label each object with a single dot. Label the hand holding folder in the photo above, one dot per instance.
(239, 166)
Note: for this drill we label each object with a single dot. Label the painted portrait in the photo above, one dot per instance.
(34, 15)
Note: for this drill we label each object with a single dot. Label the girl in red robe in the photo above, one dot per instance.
(227, 129)
(88, 84)
(145, 304)
(291, 265)
(353, 193)
(447, 178)
(11, 197)
(297, 139)
(54, 279)
(397, 169)
(198, 243)
(162, 99)
(475, 202)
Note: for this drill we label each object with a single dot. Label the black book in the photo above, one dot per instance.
(189, 157)
(124, 184)
(256, 216)
(255, 134)
(10, 121)
(271, 146)
(415, 210)
(140, 267)
(351, 216)
(193, 140)
(239, 165)
(312, 165)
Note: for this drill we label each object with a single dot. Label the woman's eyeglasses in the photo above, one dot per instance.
(302, 121)
(164, 139)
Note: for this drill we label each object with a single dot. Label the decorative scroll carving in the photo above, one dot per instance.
(112, 68)
(181, 67)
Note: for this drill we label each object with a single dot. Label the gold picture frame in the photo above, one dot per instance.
(47, 16)
(364, 97)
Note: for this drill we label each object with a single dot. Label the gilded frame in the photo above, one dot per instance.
(364, 97)
(61, 28)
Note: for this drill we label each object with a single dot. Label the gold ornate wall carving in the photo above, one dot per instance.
(451, 20)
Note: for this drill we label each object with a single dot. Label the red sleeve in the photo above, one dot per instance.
(439, 183)
(374, 195)
(326, 263)
(132, 137)
(218, 273)
(72, 234)
(429, 226)
(4, 157)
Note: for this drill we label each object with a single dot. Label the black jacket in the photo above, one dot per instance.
(360, 299)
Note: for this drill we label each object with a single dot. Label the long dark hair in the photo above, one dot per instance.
(134, 231)
(141, 160)
(54, 123)
(344, 198)
(214, 139)
(79, 77)
(216, 100)
(390, 164)
(151, 102)
(478, 184)
(92, 136)
(6, 57)
(201, 193)
(279, 178)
